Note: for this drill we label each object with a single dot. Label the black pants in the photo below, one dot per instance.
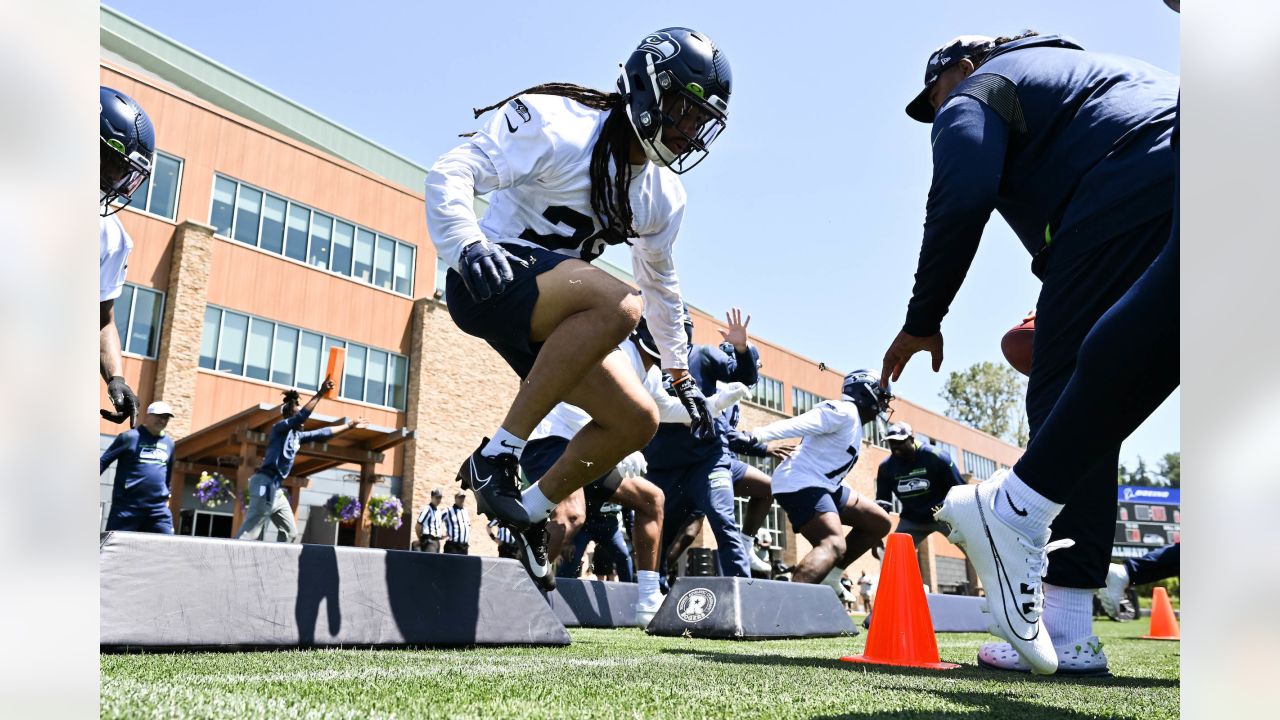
(507, 550)
(429, 544)
(453, 548)
(1165, 562)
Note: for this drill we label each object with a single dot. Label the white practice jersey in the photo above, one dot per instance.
(831, 439)
(114, 245)
(533, 158)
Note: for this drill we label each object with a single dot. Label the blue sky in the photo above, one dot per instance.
(809, 209)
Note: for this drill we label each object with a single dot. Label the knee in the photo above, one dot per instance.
(835, 544)
(653, 501)
(640, 423)
(878, 524)
(623, 315)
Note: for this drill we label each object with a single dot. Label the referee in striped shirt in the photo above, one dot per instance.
(502, 535)
(430, 525)
(457, 526)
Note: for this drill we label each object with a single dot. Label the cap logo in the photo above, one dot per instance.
(660, 45)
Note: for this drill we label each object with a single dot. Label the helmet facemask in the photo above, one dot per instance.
(687, 125)
(120, 174)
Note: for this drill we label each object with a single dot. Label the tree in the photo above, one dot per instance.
(1171, 468)
(990, 397)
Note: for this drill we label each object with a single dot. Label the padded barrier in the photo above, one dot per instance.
(594, 603)
(958, 613)
(745, 609)
(164, 591)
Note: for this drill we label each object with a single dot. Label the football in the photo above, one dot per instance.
(1016, 345)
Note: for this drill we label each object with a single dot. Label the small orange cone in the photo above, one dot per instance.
(902, 632)
(1164, 626)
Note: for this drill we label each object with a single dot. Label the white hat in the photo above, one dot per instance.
(898, 431)
(159, 407)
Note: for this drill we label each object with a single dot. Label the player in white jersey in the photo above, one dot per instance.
(569, 170)
(128, 144)
(808, 485)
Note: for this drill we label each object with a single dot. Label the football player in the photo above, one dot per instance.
(570, 170)
(126, 150)
(808, 486)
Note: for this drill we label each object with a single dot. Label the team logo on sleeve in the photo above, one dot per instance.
(661, 45)
(696, 605)
(522, 109)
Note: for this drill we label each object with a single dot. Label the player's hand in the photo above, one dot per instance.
(123, 399)
(357, 423)
(901, 350)
(736, 335)
(701, 425)
(486, 269)
(1031, 315)
(633, 465)
(782, 451)
(734, 393)
(885, 505)
(326, 386)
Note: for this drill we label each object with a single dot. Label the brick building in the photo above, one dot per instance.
(268, 234)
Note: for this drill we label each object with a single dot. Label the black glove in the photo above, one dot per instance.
(701, 425)
(886, 505)
(124, 400)
(485, 269)
(744, 443)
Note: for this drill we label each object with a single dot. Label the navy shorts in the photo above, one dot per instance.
(805, 504)
(152, 520)
(739, 470)
(503, 320)
(539, 455)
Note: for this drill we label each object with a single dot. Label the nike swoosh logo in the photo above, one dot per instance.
(1020, 513)
(504, 444)
(1005, 584)
(510, 127)
(480, 483)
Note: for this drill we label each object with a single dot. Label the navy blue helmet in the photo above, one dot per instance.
(128, 144)
(862, 387)
(677, 78)
(645, 338)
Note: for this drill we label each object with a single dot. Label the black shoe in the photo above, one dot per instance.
(531, 548)
(495, 482)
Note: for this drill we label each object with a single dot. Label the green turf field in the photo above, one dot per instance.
(624, 673)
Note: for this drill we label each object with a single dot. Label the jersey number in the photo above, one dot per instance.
(843, 469)
(584, 235)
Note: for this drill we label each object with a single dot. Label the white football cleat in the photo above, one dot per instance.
(1112, 594)
(1084, 658)
(1010, 566)
(646, 608)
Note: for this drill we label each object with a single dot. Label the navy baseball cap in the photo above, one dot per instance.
(942, 59)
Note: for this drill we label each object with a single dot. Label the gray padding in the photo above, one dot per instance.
(958, 613)
(162, 591)
(1000, 94)
(594, 603)
(747, 609)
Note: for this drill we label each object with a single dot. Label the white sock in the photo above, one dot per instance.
(1025, 509)
(1068, 613)
(648, 581)
(503, 442)
(537, 504)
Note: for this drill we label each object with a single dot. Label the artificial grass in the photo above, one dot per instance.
(625, 673)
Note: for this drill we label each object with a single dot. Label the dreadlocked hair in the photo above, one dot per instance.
(610, 199)
(1003, 40)
(291, 397)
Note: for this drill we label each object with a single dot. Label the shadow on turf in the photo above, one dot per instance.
(996, 703)
(967, 672)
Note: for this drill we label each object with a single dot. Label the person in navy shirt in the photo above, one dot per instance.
(267, 499)
(144, 465)
(920, 476)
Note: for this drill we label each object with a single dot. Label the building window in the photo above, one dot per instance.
(281, 226)
(202, 523)
(138, 311)
(873, 433)
(158, 194)
(767, 392)
(978, 466)
(802, 401)
(442, 271)
(254, 347)
(946, 447)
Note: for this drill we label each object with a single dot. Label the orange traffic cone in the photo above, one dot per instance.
(1164, 626)
(902, 632)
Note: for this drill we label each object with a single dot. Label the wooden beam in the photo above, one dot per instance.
(367, 478)
(343, 453)
(243, 473)
(391, 439)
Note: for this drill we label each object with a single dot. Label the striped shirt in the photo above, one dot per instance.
(457, 525)
(501, 533)
(429, 521)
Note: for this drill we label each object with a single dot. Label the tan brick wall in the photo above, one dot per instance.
(179, 356)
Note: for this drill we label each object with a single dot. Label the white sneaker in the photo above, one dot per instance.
(832, 580)
(1010, 566)
(1112, 594)
(757, 565)
(646, 608)
(1078, 658)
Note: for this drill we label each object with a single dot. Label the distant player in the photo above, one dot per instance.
(808, 485)
(126, 151)
(1161, 563)
(920, 475)
(568, 171)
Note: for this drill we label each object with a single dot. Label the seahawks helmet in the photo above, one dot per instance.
(677, 78)
(128, 143)
(645, 340)
(862, 388)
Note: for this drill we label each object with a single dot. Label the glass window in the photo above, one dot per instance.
(231, 344)
(321, 227)
(273, 224)
(283, 356)
(209, 340)
(404, 268)
(442, 271)
(121, 308)
(309, 361)
(248, 207)
(353, 383)
(397, 381)
(145, 323)
(382, 262)
(163, 200)
(224, 196)
(364, 255)
(295, 237)
(767, 392)
(343, 237)
(978, 466)
(376, 377)
(258, 355)
(802, 401)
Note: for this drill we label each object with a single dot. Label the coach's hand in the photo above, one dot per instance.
(123, 399)
(486, 269)
(700, 422)
(901, 350)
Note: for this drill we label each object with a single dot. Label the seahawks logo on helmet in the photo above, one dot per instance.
(661, 45)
